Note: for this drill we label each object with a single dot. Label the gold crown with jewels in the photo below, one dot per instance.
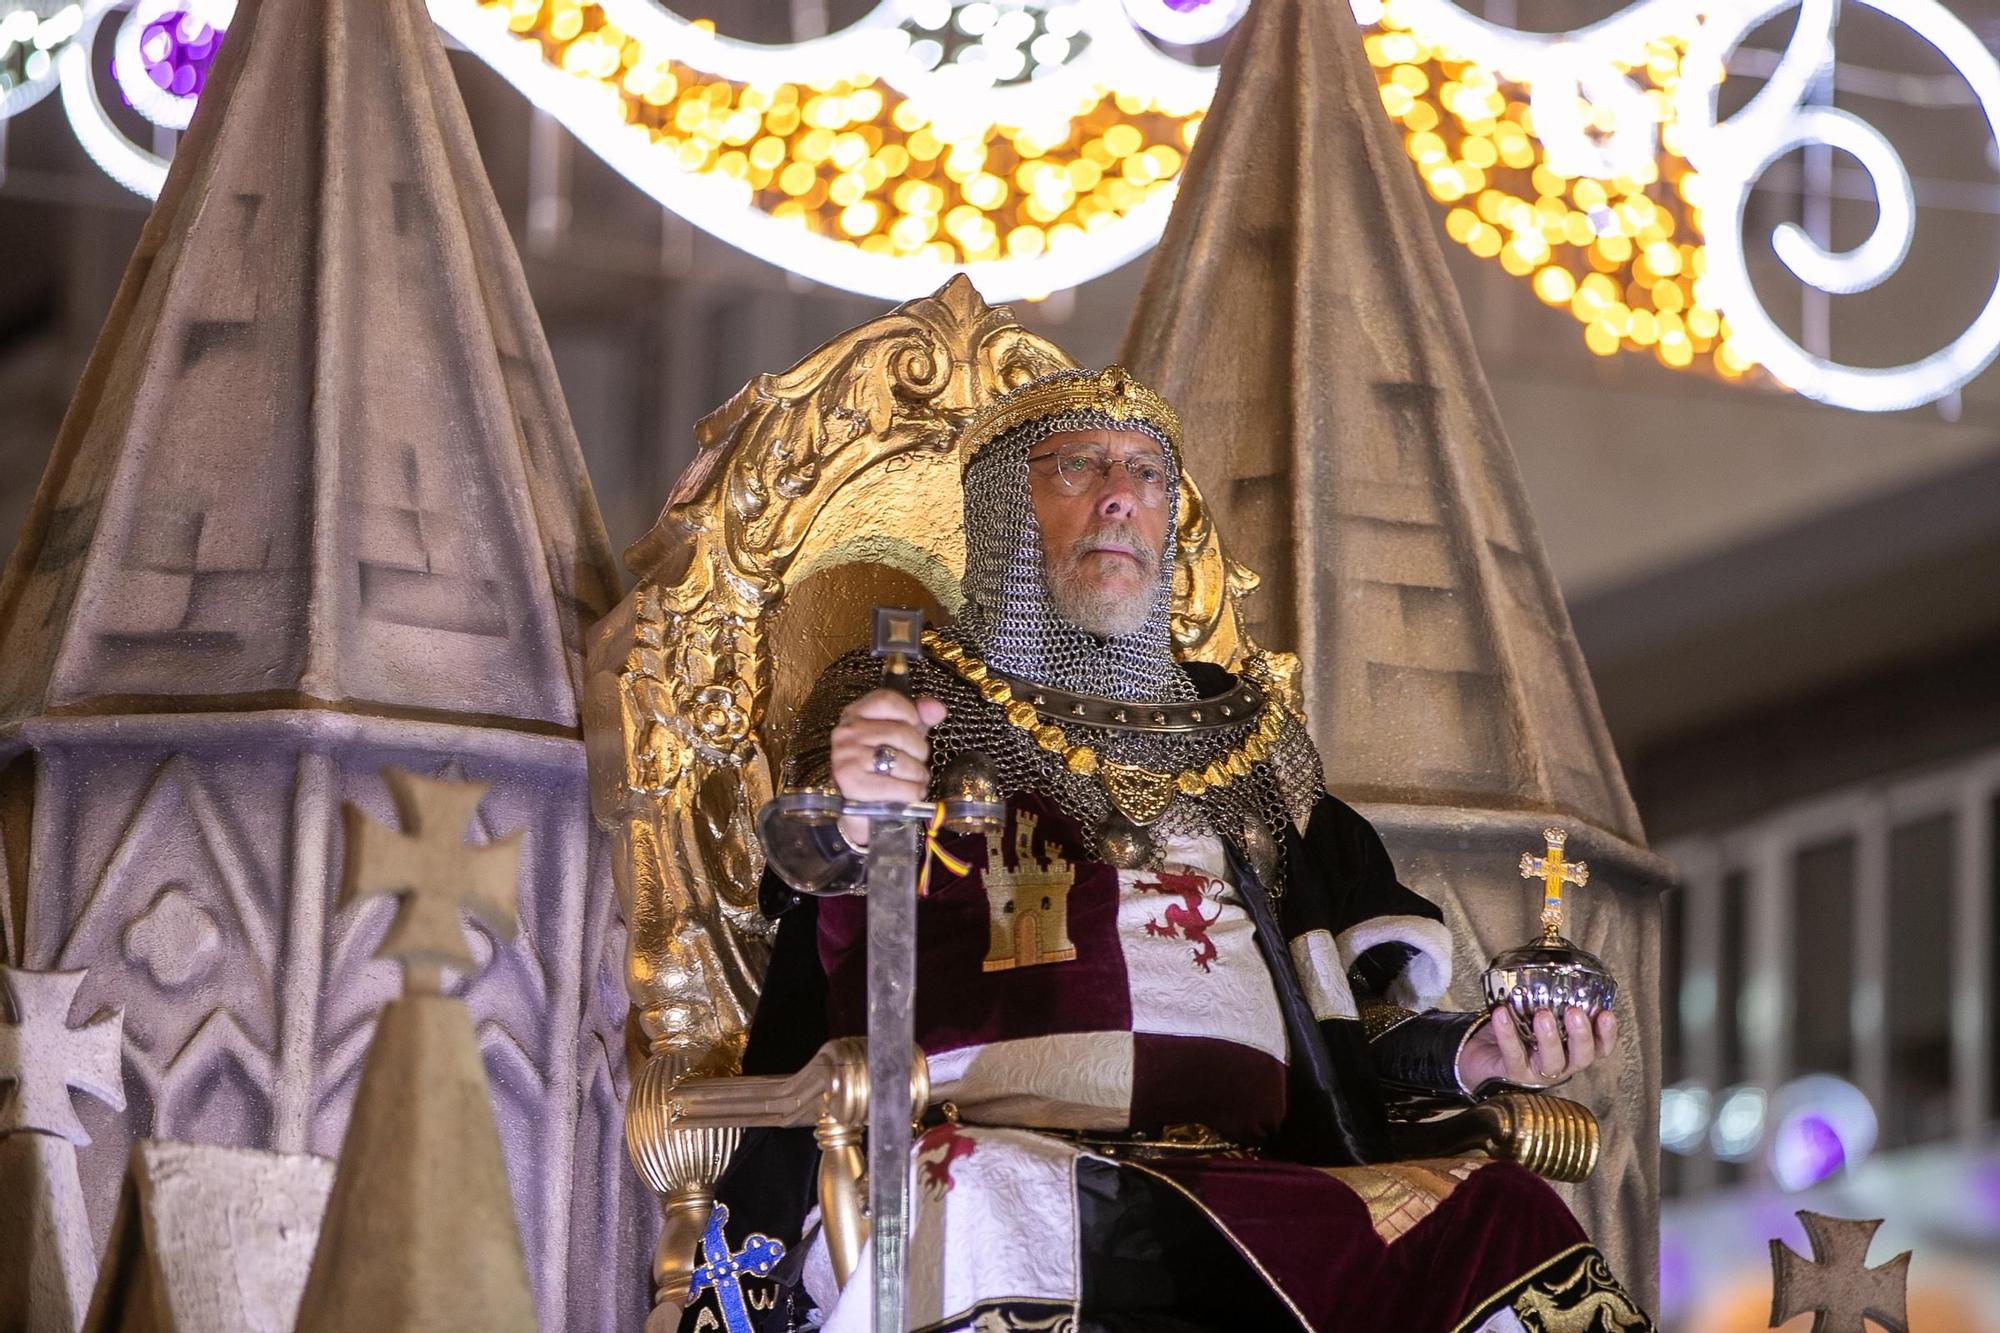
(1112, 391)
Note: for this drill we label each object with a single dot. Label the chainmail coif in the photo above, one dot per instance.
(1008, 612)
(1010, 622)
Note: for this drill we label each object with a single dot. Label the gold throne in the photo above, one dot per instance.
(817, 494)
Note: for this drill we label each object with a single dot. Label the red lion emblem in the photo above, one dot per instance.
(936, 1175)
(1184, 920)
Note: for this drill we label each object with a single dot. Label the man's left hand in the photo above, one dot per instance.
(1496, 1051)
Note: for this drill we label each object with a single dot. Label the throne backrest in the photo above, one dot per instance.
(818, 493)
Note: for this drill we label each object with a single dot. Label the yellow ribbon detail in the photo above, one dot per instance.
(933, 848)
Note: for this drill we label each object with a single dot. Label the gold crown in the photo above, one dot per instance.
(1112, 391)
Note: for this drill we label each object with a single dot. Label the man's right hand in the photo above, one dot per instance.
(882, 723)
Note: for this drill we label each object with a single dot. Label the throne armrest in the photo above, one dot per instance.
(1553, 1137)
(682, 1128)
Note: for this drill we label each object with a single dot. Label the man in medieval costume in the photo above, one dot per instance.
(1163, 1004)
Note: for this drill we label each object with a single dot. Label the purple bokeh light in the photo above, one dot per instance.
(178, 50)
(1985, 1191)
(1807, 1150)
(1823, 1126)
(1676, 1277)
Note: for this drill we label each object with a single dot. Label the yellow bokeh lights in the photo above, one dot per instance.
(1623, 256)
(854, 162)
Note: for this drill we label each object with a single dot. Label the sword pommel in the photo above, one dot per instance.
(899, 639)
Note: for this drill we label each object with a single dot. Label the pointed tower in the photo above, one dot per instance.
(210, 1240)
(1350, 448)
(317, 509)
(417, 1234)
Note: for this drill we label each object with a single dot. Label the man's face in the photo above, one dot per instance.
(1100, 499)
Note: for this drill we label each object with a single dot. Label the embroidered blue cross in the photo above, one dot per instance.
(724, 1272)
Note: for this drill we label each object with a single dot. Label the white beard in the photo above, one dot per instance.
(1094, 608)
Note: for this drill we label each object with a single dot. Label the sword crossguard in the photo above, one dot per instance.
(821, 805)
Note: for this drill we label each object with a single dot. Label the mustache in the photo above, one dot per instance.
(1123, 533)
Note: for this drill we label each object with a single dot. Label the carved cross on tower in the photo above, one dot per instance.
(42, 1057)
(1554, 872)
(1836, 1285)
(434, 873)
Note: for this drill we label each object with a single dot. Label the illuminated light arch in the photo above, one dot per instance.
(1582, 161)
(685, 172)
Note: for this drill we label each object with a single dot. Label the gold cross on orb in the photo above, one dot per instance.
(434, 873)
(1554, 872)
(1836, 1285)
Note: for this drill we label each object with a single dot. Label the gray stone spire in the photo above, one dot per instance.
(1299, 316)
(1351, 449)
(319, 455)
(317, 510)
(417, 1234)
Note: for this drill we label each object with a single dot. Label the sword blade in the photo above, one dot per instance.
(892, 985)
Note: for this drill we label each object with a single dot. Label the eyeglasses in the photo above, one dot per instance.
(1077, 468)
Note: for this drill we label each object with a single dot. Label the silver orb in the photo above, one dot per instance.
(1549, 974)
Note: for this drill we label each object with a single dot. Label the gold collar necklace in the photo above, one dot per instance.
(1141, 794)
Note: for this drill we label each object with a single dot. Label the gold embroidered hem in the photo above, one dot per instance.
(1401, 1194)
(1574, 1292)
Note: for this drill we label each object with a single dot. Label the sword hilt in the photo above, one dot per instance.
(899, 638)
(971, 796)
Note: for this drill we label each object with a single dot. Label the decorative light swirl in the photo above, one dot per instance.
(161, 54)
(1591, 118)
(1186, 22)
(1593, 213)
(1733, 155)
(884, 46)
(117, 156)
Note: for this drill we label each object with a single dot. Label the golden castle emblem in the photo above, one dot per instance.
(1027, 904)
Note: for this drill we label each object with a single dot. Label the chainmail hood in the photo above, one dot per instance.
(1008, 611)
(1009, 622)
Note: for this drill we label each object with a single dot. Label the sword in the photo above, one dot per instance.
(898, 842)
(893, 847)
